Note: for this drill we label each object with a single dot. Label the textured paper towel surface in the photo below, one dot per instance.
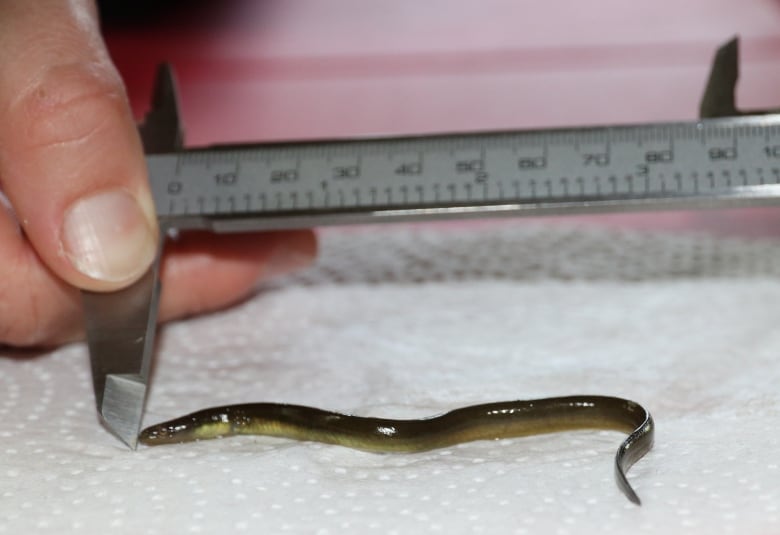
(413, 321)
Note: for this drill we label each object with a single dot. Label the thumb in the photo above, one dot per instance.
(71, 161)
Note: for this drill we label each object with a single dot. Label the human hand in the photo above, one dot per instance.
(81, 214)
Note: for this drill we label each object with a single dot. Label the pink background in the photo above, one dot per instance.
(298, 69)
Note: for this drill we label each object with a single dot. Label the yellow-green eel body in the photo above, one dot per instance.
(477, 422)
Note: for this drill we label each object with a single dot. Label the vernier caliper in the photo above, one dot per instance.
(727, 159)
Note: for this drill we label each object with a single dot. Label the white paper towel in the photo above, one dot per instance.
(412, 321)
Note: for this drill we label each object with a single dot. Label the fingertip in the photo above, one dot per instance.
(109, 238)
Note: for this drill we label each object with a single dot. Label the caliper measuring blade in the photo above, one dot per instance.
(121, 326)
(120, 333)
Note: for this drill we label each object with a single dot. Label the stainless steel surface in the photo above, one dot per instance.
(724, 162)
(120, 333)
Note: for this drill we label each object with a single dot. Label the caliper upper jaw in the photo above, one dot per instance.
(719, 99)
(161, 130)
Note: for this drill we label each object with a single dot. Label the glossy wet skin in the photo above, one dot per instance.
(478, 422)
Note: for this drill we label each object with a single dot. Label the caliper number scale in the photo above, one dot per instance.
(712, 162)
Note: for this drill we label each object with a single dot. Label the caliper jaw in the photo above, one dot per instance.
(121, 326)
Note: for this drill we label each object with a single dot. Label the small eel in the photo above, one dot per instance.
(477, 422)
